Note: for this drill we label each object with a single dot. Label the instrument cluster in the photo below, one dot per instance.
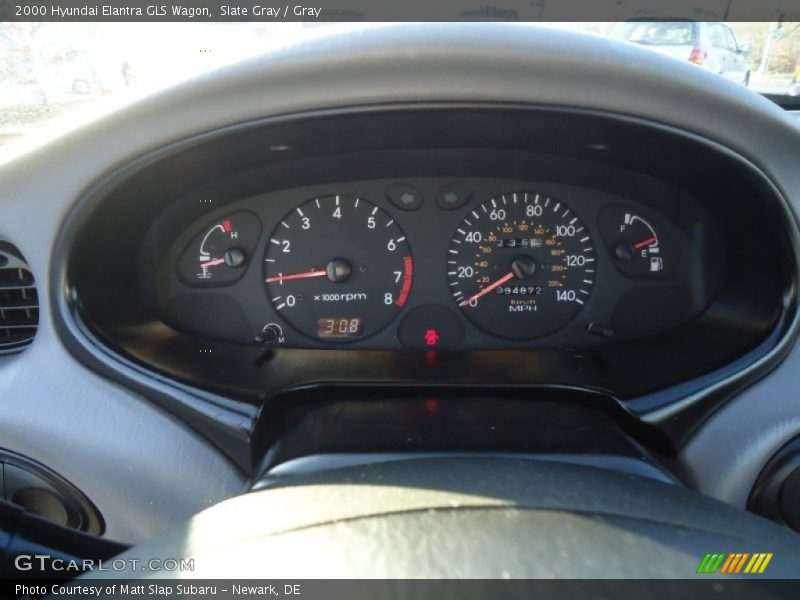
(441, 263)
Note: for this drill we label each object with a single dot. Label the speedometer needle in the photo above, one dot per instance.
(488, 289)
(305, 275)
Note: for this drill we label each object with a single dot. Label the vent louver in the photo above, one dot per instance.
(19, 302)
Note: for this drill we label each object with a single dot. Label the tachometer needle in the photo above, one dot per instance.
(488, 289)
(647, 242)
(305, 275)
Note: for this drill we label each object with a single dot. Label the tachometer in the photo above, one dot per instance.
(521, 265)
(338, 268)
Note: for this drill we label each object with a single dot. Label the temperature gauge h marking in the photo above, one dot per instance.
(218, 254)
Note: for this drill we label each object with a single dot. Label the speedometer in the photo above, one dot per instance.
(338, 268)
(521, 265)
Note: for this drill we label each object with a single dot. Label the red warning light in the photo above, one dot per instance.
(431, 405)
(227, 225)
(431, 337)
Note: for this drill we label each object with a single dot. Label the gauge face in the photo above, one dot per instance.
(521, 265)
(637, 246)
(338, 268)
(220, 253)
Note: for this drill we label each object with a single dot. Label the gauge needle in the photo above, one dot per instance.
(488, 289)
(305, 275)
(647, 242)
(213, 263)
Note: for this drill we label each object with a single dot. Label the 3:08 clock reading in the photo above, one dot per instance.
(340, 327)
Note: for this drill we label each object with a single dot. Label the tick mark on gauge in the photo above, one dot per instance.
(274, 241)
(300, 212)
(285, 225)
(389, 224)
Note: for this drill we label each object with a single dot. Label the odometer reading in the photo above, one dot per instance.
(521, 265)
(334, 257)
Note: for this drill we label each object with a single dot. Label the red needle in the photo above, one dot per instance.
(305, 275)
(213, 263)
(646, 242)
(488, 288)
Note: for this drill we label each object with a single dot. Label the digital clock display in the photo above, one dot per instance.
(340, 327)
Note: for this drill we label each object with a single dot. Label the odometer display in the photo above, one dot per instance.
(521, 265)
(338, 268)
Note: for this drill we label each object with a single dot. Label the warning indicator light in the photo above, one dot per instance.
(431, 337)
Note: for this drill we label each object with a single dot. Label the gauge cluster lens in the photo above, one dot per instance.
(521, 265)
(338, 268)
(333, 266)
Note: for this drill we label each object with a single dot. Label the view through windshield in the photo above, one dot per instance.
(53, 75)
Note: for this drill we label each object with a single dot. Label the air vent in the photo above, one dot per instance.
(19, 302)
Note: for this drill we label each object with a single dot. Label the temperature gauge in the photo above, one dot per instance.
(219, 254)
(637, 246)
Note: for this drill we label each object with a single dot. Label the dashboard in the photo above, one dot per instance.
(379, 251)
(695, 360)
(438, 263)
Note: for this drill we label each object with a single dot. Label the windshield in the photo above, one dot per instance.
(656, 33)
(54, 76)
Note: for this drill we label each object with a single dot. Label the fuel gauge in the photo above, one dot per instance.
(219, 254)
(636, 244)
